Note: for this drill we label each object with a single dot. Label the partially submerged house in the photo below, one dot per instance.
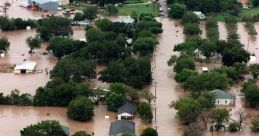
(25, 67)
(120, 127)
(45, 5)
(222, 97)
(126, 111)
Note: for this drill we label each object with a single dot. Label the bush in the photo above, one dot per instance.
(190, 18)
(177, 10)
(191, 29)
(212, 29)
(233, 127)
(81, 133)
(255, 124)
(145, 111)
(149, 132)
(80, 109)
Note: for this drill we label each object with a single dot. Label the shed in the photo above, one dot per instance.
(25, 67)
(222, 97)
(199, 14)
(47, 5)
(119, 127)
(126, 111)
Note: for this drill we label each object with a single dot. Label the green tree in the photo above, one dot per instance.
(235, 54)
(147, 95)
(254, 69)
(134, 15)
(145, 112)
(255, 124)
(4, 44)
(233, 126)
(114, 101)
(188, 109)
(74, 69)
(33, 43)
(104, 24)
(144, 46)
(177, 10)
(111, 9)
(206, 82)
(44, 128)
(78, 17)
(184, 62)
(220, 117)
(90, 13)
(81, 133)
(191, 29)
(184, 75)
(54, 26)
(208, 48)
(80, 109)
(251, 92)
(149, 132)
(190, 18)
(255, 3)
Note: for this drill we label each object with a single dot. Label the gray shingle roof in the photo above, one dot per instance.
(128, 107)
(122, 126)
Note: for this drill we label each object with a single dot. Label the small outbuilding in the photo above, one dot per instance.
(45, 5)
(126, 111)
(25, 67)
(126, 20)
(222, 97)
(119, 127)
(199, 14)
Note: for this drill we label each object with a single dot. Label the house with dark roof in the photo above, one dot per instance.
(120, 127)
(222, 97)
(126, 111)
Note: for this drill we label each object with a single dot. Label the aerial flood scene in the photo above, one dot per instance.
(129, 68)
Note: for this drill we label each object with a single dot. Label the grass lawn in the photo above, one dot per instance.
(139, 8)
(251, 11)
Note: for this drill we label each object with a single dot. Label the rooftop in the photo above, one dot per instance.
(121, 126)
(25, 65)
(128, 107)
(219, 94)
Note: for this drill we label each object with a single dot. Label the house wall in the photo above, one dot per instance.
(224, 101)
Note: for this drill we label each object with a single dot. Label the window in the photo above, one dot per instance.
(226, 101)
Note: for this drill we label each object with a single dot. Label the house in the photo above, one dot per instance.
(126, 111)
(65, 129)
(222, 97)
(25, 67)
(199, 14)
(45, 5)
(119, 127)
(126, 20)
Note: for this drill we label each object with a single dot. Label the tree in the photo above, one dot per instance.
(81, 133)
(78, 17)
(90, 13)
(184, 75)
(184, 62)
(233, 126)
(44, 128)
(177, 10)
(111, 9)
(220, 117)
(61, 46)
(242, 117)
(193, 129)
(251, 92)
(255, 124)
(188, 109)
(149, 132)
(33, 43)
(254, 69)
(80, 109)
(127, 92)
(206, 82)
(148, 96)
(54, 26)
(145, 112)
(104, 24)
(208, 48)
(190, 18)
(4, 44)
(235, 54)
(134, 15)
(74, 69)
(114, 101)
(191, 29)
(144, 45)
(255, 3)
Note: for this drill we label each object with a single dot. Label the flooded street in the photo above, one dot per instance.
(166, 88)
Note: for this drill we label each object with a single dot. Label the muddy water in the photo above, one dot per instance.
(222, 31)
(203, 29)
(164, 83)
(16, 11)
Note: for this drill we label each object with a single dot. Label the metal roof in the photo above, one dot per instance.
(219, 94)
(25, 65)
(128, 107)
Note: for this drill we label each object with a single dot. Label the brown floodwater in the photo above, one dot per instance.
(222, 31)
(203, 29)
(166, 88)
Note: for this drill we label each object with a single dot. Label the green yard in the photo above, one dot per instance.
(139, 8)
(251, 11)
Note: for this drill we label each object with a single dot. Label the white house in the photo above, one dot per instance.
(222, 97)
(25, 67)
(126, 20)
(126, 111)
